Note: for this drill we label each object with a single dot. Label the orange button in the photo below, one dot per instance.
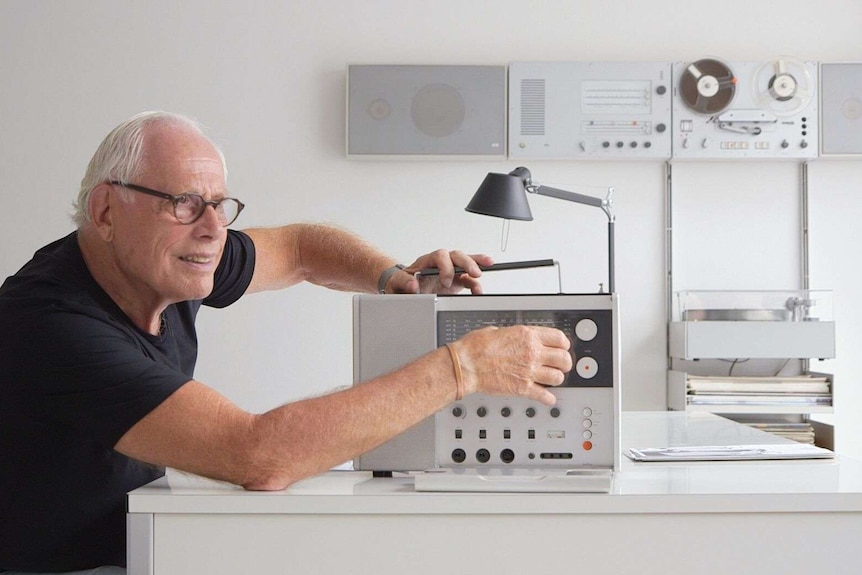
(588, 445)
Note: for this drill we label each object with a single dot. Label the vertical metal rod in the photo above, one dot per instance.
(668, 257)
(804, 220)
(806, 363)
(611, 282)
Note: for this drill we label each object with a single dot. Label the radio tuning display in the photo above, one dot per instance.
(590, 332)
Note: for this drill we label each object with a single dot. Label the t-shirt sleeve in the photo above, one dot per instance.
(234, 272)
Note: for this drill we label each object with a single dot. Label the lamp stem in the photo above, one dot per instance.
(611, 285)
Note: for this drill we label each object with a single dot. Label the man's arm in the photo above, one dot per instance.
(200, 431)
(340, 260)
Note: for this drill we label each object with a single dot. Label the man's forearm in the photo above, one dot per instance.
(340, 260)
(308, 437)
(320, 254)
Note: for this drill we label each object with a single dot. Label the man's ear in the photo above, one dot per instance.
(101, 208)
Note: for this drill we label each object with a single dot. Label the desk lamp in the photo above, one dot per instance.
(504, 196)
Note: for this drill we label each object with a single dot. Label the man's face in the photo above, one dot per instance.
(162, 260)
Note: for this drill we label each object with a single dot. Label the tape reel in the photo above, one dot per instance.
(707, 86)
(782, 86)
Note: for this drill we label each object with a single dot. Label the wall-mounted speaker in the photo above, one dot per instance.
(410, 110)
(840, 109)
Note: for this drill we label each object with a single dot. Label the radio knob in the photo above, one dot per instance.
(661, 90)
(586, 329)
(803, 144)
(660, 128)
(785, 144)
(481, 412)
(531, 412)
(587, 367)
(459, 455)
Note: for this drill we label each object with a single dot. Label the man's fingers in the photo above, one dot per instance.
(541, 394)
(553, 337)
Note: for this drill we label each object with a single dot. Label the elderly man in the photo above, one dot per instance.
(98, 348)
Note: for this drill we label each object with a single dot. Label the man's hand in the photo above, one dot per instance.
(514, 361)
(447, 281)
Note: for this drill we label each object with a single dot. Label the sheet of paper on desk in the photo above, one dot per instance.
(729, 452)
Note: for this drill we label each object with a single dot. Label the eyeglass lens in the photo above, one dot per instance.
(190, 207)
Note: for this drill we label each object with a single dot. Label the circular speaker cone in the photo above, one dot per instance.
(438, 110)
(379, 109)
(707, 86)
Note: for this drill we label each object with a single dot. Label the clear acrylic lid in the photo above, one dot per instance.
(754, 305)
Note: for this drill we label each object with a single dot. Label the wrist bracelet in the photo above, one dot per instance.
(459, 377)
(384, 277)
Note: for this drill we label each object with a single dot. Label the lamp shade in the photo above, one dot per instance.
(501, 196)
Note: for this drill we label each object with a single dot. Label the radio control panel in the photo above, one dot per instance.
(578, 430)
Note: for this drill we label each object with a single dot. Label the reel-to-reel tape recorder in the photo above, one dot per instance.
(745, 109)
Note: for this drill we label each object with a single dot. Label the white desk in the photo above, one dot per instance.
(705, 518)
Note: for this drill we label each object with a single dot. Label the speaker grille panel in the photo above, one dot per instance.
(533, 107)
(841, 108)
(426, 110)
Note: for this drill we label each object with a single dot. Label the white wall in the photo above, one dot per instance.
(268, 79)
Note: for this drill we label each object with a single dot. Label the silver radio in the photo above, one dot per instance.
(488, 432)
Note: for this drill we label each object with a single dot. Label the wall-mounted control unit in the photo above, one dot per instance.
(590, 110)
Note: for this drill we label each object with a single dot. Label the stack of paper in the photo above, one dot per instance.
(728, 452)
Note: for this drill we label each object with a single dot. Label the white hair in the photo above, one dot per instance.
(120, 156)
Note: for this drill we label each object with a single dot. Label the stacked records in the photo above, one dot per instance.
(798, 391)
(801, 432)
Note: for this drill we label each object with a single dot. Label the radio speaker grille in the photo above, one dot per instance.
(533, 107)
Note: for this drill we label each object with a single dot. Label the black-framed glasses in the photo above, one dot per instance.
(188, 208)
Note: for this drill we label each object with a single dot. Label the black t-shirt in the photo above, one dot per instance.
(75, 375)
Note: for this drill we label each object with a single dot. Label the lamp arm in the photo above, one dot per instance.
(606, 205)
